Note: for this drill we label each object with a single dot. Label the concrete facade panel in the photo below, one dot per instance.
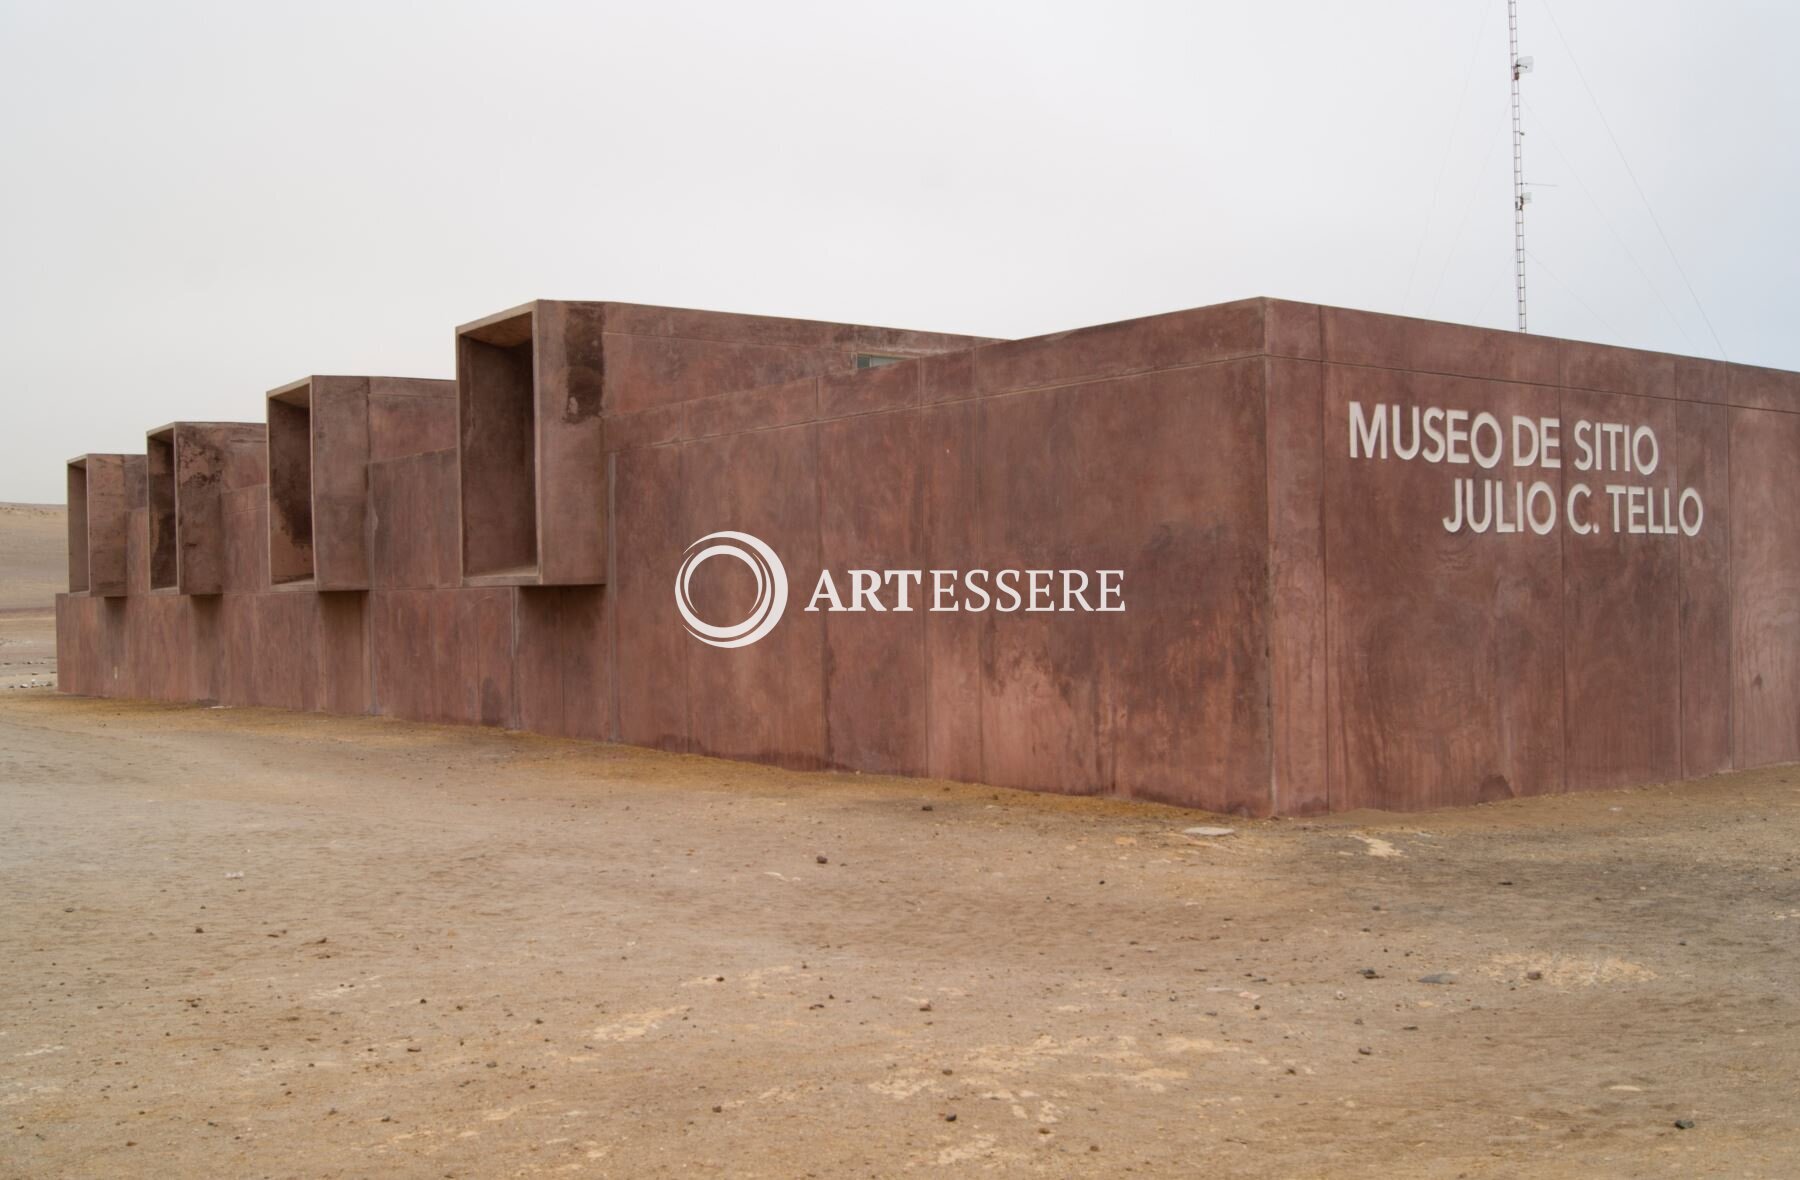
(410, 416)
(1700, 380)
(479, 658)
(1166, 700)
(1394, 342)
(1622, 617)
(951, 467)
(765, 702)
(238, 635)
(1298, 775)
(108, 651)
(78, 632)
(1703, 461)
(653, 528)
(571, 476)
(587, 664)
(1617, 370)
(646, 371)
(875, 714)
(889, 387)
(193, 467)
(343, 663)
(413, 522)
(243, 516)
(563, 683)
(137, 551)
(341, 443)
(537, 659)
(1765, 586)
(402, 648)
(1763, 389)
(160, 648)
(1293, 330)
(700, 359)
(728, 413)
(1444, 671)
(1201, 336)
(206, 644)
(286, 671)
(946, 378)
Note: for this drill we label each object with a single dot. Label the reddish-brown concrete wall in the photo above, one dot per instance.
(662, 356)
(1138, 447)
(1765, 586)
(1301, 632)
(1465, 666)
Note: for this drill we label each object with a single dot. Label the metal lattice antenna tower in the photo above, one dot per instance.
(1518, 66)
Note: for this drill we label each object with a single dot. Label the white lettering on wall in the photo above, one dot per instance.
(1438, 435)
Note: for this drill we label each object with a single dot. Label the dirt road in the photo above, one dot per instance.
(254, 943)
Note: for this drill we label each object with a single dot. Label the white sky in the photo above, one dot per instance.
(201, 202)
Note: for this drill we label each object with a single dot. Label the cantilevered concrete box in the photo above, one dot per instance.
(323, 434)
(534, 383)
(189, 468)
(528, 384)
(103, 489)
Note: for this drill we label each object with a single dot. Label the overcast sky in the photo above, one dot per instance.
(202, 202)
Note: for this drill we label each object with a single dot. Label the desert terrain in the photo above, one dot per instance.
(33, 569)
(239, 942)
(245, 942)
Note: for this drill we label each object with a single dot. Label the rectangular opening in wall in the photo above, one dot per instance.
(159, 476)
(497, 442)
(78, 526)
(290, 485)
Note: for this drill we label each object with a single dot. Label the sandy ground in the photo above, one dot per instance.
(241, 942)
(33, 568)
(34, 546)
(27, 650)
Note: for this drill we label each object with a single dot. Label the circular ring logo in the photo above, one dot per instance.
(771, 588)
